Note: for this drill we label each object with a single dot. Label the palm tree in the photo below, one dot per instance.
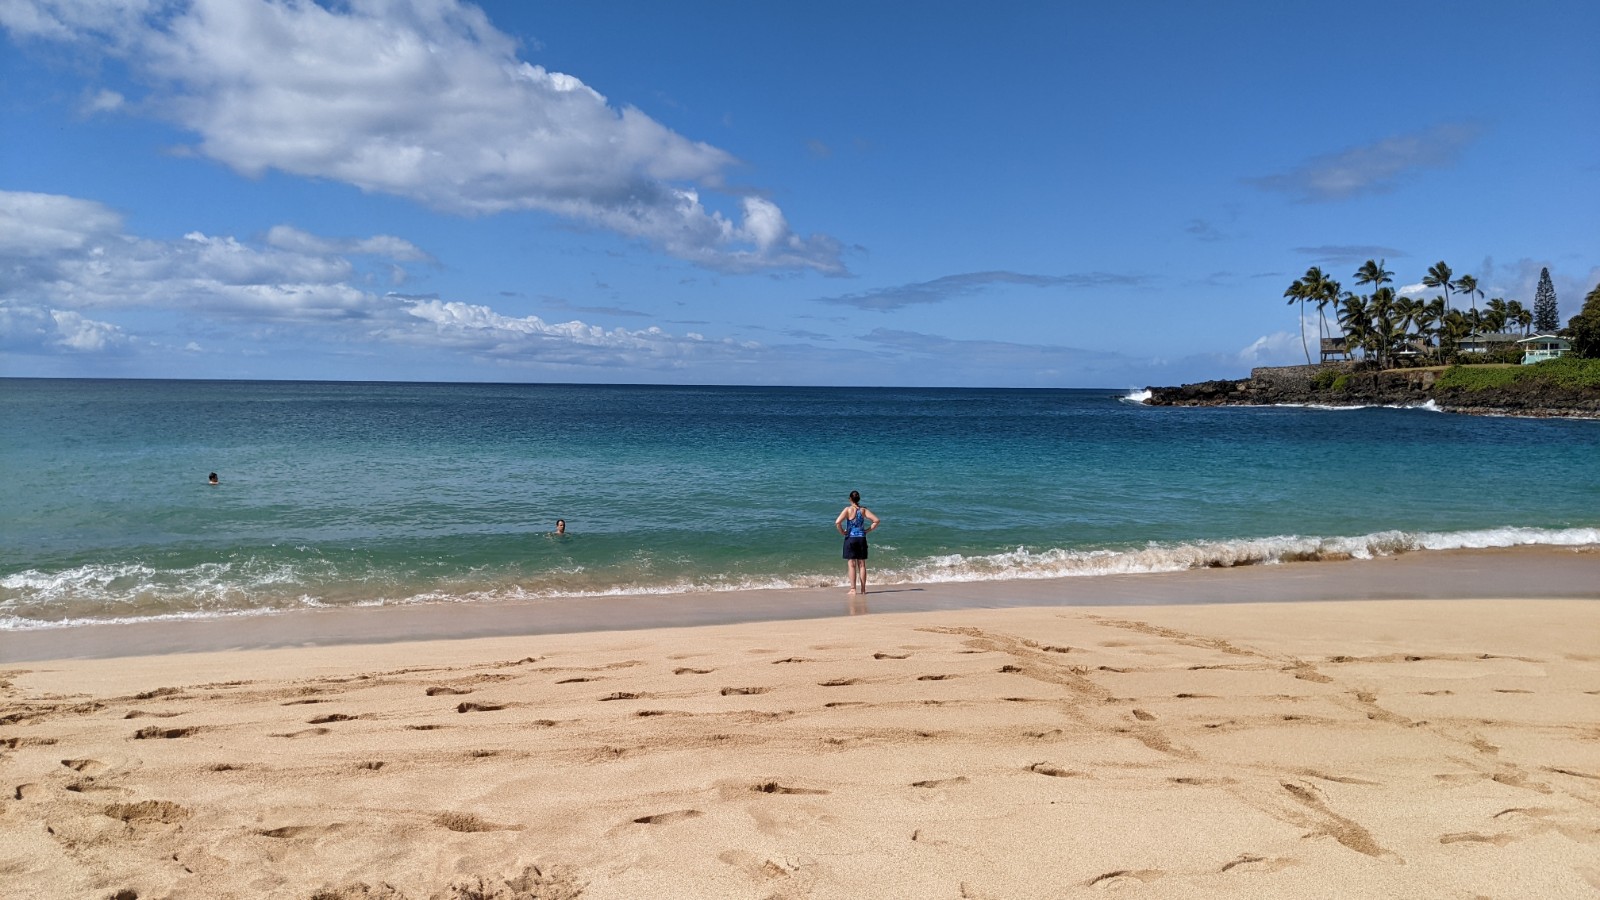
(1374, 273)
(1384, 309)
(1297, 294)
(1321, 290)
(1413, 314)
(1355, 319)
(1454, 326)
(1495, 317)
(1521, 315)
(1436, 314)
(1439, 277)
(1468, 286)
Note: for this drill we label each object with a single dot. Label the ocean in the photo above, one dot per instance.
(342, 494)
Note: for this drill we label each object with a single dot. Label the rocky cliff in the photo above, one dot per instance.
(1345, 386)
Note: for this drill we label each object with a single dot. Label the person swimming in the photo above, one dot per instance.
(212, 479)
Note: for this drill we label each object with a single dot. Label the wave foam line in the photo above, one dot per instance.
(117, 603)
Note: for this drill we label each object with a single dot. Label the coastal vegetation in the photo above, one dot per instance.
(1383, 328)
(1564, 373)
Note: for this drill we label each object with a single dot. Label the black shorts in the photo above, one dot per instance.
(855, 548)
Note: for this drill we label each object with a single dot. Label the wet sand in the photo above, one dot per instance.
(1532, 572)
(1349, 748)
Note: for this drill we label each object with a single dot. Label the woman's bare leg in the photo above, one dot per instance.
(863, 570)
(850, 572)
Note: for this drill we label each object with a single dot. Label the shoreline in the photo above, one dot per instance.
(1531, 572)
(1392, 748)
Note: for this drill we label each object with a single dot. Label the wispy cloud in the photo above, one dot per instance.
(427, 100)
(1354, 254)
(1374, 168)
(1202, 230)
(952, 286)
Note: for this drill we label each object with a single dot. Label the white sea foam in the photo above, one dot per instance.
(125, 593)
(1137, 396)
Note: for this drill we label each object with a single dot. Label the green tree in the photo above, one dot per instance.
(1321, 290)
(1496, 314)
(1523, 316)
(1374, 273)
(1435, 324)
(1584, 328)
(1467, 285)
(1439, 276)
(1355, 320)
(1546, 317)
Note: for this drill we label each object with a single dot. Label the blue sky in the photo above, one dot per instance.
(1012, 194)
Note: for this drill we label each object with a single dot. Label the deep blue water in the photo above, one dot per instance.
(339, 493)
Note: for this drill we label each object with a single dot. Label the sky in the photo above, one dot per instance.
(1015, 194)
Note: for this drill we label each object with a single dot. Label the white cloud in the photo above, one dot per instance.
(1281, 348)
(484, 332)
(423, 99)
(79, 333)
(67, 255)
(35, 328)
(33, 225)
(1373, 168)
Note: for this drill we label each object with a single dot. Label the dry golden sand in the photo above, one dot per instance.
(1353, 749)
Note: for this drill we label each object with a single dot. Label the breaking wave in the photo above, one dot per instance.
(104, 594)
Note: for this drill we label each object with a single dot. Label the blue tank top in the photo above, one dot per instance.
(858, 525)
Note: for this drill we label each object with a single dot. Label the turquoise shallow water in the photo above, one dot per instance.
(337, 494)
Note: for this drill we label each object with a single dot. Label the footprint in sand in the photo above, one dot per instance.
(478, 707)
(155, 731)
(331, 717)
(743, 691)
(1248, 863)
(1052, 771)
(940, 782)
(685, 670)
(667, 818)
(86, 766)
(438, 689)
(467, 823)
(839, 682)
(162, 811)
(305, 732)
(1124, 878)
(772, 787)
(934, 677)
(579, 680)
(791, 659)
(891, 656)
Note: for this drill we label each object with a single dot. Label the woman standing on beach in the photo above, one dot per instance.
(854, 522)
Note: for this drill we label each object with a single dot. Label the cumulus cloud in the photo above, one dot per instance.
(38, 329)
(427, 100)
(68, 253)
(952, 286)
(1281, 348)
(1374, 168)
(66, 256)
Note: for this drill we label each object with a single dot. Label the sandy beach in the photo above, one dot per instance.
(1428, 748)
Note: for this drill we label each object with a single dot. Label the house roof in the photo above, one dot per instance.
(1492, 337)
(1548, 339)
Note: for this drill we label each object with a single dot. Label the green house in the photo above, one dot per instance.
(1540, 347)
